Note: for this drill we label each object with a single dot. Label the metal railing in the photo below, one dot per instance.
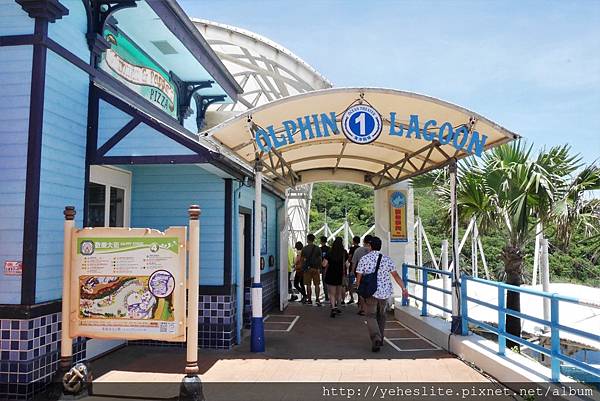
(553, 324)
(425, 284)
(555, 353)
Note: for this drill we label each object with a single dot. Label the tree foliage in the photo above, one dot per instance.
(338, 199)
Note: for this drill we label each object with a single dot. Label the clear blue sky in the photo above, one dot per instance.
(531, 66)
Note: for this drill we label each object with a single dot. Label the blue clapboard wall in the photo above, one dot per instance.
(15, 80)
(141, 141)
(13, 20)
(62, 175)
(70, 30)
(161, 196)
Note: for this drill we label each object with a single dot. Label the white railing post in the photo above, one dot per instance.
(419, 236)
(474, 236)
(445, 278)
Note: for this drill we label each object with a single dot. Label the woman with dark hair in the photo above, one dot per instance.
(335, 271)
(299, 274)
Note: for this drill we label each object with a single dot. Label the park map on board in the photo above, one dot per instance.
(129, 287)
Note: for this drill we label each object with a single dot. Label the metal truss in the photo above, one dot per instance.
(298, 204)
(265, 70)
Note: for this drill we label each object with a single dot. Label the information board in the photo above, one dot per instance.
(397, 204)
(128, 283)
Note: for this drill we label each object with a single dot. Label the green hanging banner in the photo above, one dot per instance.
(130, 65)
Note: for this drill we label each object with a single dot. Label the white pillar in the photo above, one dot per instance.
(346, 230)
(545, 270)
(456, 321)
(257, 332)
(445, 279)
(400, 252)
(474, 237)
(536, 253)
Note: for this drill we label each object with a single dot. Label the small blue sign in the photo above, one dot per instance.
(361, 124)
(398, 199)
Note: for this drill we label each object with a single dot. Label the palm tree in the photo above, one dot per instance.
(574, 211)
(511, 190)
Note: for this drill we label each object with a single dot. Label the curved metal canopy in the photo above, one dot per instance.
(398, 153)
(264, 69)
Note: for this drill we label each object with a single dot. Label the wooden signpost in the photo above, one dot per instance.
(130, 284)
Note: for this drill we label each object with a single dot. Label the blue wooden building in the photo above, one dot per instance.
(102, 104)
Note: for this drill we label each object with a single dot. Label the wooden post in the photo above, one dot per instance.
(193, 288)
(191, 387)
(66, 343)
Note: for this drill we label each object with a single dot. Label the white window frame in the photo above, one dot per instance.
(113, 177)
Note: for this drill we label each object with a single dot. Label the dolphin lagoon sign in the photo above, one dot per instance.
(362, 124)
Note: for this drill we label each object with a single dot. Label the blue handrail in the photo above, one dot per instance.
(425, 303)
(554, 352)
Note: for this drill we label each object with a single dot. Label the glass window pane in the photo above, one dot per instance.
(96, 205)
(117, 207)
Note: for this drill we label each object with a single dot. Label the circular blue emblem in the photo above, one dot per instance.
(361, 124)
(398, 200)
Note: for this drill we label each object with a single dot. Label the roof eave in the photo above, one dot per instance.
(177, 21)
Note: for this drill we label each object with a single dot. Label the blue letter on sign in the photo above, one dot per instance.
(393, 131)
(445, 139)
(426, 134)
(262, 140)
(304, 127)
(276, 141)
(478, 143)
(329, 123)
(413, 126)
(465, 136)
(290, 128)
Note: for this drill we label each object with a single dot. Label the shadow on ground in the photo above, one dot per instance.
(314, 336)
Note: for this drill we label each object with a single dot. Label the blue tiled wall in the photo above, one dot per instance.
(15, 80)
(29, 353)
(62, 176)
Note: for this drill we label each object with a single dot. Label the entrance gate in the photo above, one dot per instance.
(376, 137)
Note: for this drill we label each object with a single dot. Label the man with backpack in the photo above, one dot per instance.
(374, 272)
(311, 258)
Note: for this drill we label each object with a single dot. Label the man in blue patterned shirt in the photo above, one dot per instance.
(376, 305)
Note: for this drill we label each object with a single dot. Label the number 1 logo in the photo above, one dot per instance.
(361, 124)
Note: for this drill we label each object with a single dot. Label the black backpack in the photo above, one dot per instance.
(368, 283)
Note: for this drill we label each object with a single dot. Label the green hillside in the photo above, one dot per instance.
(579, 263)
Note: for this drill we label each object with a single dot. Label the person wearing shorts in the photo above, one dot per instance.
(311, 257)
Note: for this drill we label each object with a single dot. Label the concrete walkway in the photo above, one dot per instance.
(303, 345)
